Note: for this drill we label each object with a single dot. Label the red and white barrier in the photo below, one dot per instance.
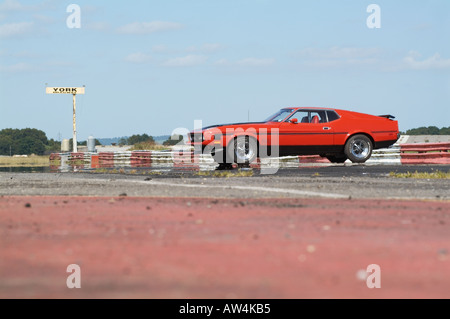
(399, 154)
(425, 153)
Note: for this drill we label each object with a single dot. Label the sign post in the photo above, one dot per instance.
(74, 91)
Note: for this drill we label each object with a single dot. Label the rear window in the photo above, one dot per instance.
(332, 116)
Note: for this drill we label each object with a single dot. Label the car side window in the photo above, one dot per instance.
(301, 116)
(318, 117)
(313, 117)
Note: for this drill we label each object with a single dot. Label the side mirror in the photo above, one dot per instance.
(294, 121)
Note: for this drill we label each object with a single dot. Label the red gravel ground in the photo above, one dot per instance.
(223, 248)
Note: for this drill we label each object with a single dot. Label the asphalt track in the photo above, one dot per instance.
(309, 232)
(332, 181)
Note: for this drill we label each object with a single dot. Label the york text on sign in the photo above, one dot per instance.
(64, 90)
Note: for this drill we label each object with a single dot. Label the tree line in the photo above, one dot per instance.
(147, 139)
(136, 139)
(29, 141)
(33, 141)
(24, 142)
(430, 130)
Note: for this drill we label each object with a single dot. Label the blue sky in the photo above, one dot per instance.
(154, 66)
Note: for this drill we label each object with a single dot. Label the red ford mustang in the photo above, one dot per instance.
(335, 134)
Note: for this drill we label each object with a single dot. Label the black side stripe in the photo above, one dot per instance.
(297, 133)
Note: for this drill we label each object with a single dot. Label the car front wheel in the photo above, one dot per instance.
(358, 148)
(243, 150)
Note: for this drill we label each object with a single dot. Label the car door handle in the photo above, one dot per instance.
(326, 128)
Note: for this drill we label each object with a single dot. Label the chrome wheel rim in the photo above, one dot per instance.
(360, 149)
(244, 153)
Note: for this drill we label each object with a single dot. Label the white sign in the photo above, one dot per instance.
(64, 90)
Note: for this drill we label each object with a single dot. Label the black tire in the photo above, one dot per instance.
(224, 167)
(217, 155)
(243, 150)
(337, 159)
(358, 148)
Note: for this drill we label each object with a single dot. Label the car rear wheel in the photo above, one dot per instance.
(243, 150)
(358, 148)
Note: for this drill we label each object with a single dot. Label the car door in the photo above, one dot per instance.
(306, 132)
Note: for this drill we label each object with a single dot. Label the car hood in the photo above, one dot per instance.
(230, 124)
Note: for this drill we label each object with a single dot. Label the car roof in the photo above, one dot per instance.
(309, 108)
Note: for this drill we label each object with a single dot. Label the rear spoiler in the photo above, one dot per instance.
(388, 116)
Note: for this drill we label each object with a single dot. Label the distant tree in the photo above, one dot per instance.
(433, 130)
(444, 131)
(417, 131)
(30, 145)
(6, 145)
(52, 146)
(173, 140)
(84, 143)
(22, 141)
(144, 138)
(123, 141)
(430, 130)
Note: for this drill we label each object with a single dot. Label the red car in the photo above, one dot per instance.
(335, 134)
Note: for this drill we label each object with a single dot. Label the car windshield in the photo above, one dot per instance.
(279, 116)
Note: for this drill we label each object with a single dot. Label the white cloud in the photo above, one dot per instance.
(161, 48)
(247, 62)
(190, 60)
(223, 62)
(211, 47)
(91, 9)
(148, 27)
(434, 62)
(345, 57)
(338, 53)
(11, 6)
(15, 29)
(16, 68)
(138, 57)
(24, 55)
(44, 18)
(330, 63)
(337, 57)
(97, 26)
(14, 5)
(255, 62)
(61, 64)
(206, 48)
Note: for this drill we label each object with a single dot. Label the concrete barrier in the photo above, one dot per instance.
(389, 156)
(425, 153)
(141, 159)
(184, 159)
